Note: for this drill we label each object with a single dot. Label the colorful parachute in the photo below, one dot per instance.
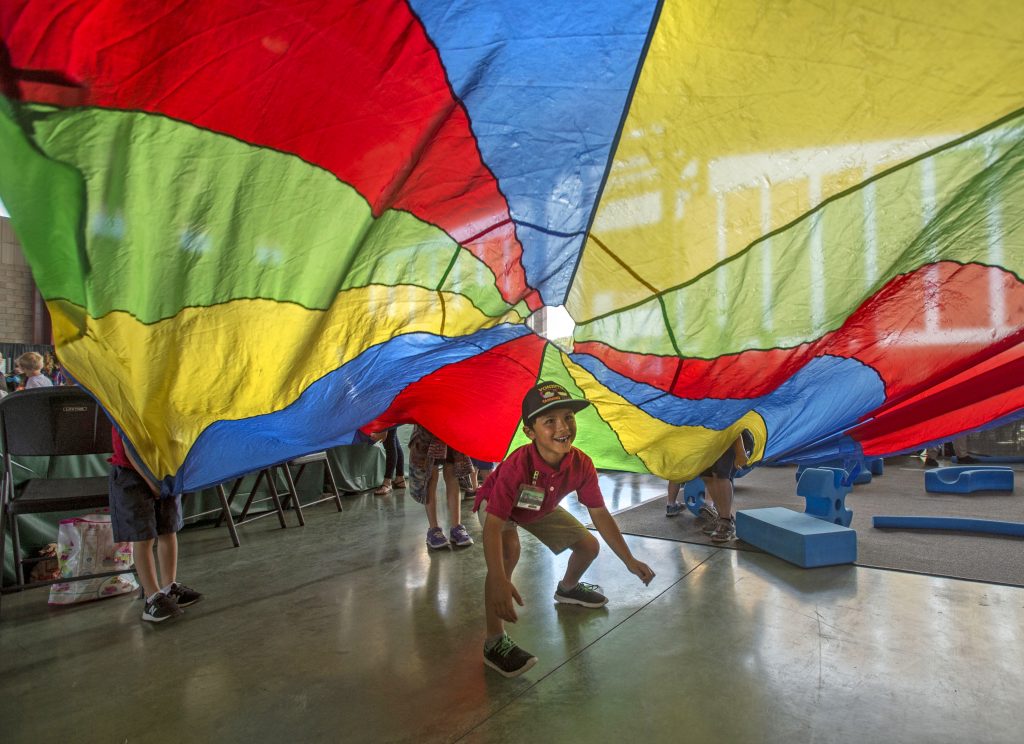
(261, 226)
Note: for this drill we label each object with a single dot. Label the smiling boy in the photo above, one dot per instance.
(525, 491)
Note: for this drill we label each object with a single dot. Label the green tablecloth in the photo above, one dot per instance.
(356, 468)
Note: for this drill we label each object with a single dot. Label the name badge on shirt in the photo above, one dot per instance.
(530, 497)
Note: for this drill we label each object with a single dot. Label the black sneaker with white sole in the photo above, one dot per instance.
(507, 659)
(183, 596)
(161, 608)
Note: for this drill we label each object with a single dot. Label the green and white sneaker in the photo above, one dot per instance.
(507, 659)
(583, 594)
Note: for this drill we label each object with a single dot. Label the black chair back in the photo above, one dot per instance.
(53, 421)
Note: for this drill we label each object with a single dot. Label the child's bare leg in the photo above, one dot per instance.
(673, 492)
(510, 550)
(145, 566)
(167, 553)
(431, 504)
(451, 487)
(720, 493)
(583, 554)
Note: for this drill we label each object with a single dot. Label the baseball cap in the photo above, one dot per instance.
(545, 395)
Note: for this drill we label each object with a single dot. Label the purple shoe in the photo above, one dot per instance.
(460, 537)
(436, 539)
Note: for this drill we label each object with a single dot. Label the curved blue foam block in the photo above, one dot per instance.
(825, 490)
(863, 475)
(799, 538)
(968, 479)
(876, 466)
(996, 458)
(693, 495)
(960, 524)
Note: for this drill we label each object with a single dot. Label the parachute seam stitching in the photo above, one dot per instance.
(807, 215)
(627, 105)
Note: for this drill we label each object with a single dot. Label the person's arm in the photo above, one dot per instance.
(142, 473)
(609, 529)
(500, 589)
(740, 452)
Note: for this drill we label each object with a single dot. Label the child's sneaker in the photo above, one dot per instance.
(182, 595)
(436, 539)
(161, 608)
(507, 659)
(581, 594)
(460, 537)
(673, 508)
(725, 531)
(708, 515)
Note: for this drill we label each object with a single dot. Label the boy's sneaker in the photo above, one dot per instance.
(436, 539)
(726, 530)
(460, 537)
(507, 659)
(673, 508)
(581, 594)
(161, 608)
(183, 596)
(707, 514)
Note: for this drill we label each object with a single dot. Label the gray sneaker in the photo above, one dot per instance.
(583, 594)
(673, 508)
(725, 531)
(507, 659)
(707, 513)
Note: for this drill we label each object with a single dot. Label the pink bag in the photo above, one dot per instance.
(85, 545)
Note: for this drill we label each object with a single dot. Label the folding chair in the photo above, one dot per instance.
(244, 517)
(221, 511)
(48, 422)
(292, 497)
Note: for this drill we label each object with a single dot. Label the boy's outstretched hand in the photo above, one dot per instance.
(641, 570)
(500, 593)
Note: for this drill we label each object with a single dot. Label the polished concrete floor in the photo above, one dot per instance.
(347, 630)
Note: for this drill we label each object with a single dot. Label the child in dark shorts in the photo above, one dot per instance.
(719, 479)
(138, 515)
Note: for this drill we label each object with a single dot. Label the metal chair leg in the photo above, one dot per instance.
(19, 569)
(276, 499)
(334, 484)
(225, 512)
(293, 493)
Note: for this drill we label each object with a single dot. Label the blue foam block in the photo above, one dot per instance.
(801, 539)
(992, 459)
(863, 475)
(825, 490)
(693, 495)
(959, 524)
(876, 465)
(968, 479)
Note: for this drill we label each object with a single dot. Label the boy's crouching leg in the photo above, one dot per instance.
(570, 589)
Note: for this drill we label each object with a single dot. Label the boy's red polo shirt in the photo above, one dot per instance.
(119, 458)
(576, 473)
